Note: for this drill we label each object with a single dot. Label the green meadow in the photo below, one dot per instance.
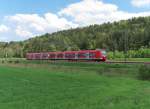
(59, 85)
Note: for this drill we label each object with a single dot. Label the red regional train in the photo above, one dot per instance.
(89, 55)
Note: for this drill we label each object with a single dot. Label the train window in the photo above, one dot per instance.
(45, 55)
(82, 55)
(52, 55)
(60, 55)
(69, 55)
(92, 54)
(79, 55)
(37, 56)
(104, 53)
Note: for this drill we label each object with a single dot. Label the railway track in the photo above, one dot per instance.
(116, 62)
(108, 62)
(127, 62)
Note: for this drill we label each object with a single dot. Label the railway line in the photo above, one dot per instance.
(106, 62)
(86, 62)
(126, 62)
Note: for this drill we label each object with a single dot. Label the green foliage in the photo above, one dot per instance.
(141, 53)
(144, 72)
(126, 35)
(115, 54)
(110, 55)
(119, 54)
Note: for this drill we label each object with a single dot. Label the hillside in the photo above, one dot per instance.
(131, 34)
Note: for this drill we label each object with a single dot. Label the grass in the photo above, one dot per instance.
(133, 59)
(72, 86)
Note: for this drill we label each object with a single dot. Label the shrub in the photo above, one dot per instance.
(116, 54)
(119, 54)
(144, 72)
(110, 55)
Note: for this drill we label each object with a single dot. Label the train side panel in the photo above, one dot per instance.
(94, 55)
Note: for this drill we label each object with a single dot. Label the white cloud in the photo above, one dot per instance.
(40, 23)
(22, 32)
(89, 12)
(59, 23)
(30, 25)
(140, 3)
(83, 13)
(3, 28)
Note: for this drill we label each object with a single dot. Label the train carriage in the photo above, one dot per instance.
(70, 55)
(44, 56)
(52, 55)
(90, 55)
(60, 55)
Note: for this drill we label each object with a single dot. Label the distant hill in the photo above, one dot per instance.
(129, 34)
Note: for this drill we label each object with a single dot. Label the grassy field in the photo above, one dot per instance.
(72, 86)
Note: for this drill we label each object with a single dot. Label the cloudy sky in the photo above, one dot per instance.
(23, 19)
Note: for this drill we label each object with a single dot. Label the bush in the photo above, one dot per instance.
(110, 55)
(119, 54)
(116, 54)
(144, 72)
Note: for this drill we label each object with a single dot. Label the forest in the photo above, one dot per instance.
(131, 37)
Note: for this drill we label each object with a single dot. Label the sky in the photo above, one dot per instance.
(24, 19)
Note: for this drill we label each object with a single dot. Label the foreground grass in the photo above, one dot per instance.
(72, 86)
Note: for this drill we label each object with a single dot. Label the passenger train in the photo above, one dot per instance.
(88, 55)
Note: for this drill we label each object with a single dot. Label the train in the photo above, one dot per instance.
(86, 55)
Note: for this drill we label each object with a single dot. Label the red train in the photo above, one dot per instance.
(89, 55)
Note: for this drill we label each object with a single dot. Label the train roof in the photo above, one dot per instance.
(71, 51)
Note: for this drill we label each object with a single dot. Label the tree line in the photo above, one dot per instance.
(122, 36)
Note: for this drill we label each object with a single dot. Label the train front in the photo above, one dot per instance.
(103, 55)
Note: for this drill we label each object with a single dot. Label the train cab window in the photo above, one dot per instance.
(104, 53)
